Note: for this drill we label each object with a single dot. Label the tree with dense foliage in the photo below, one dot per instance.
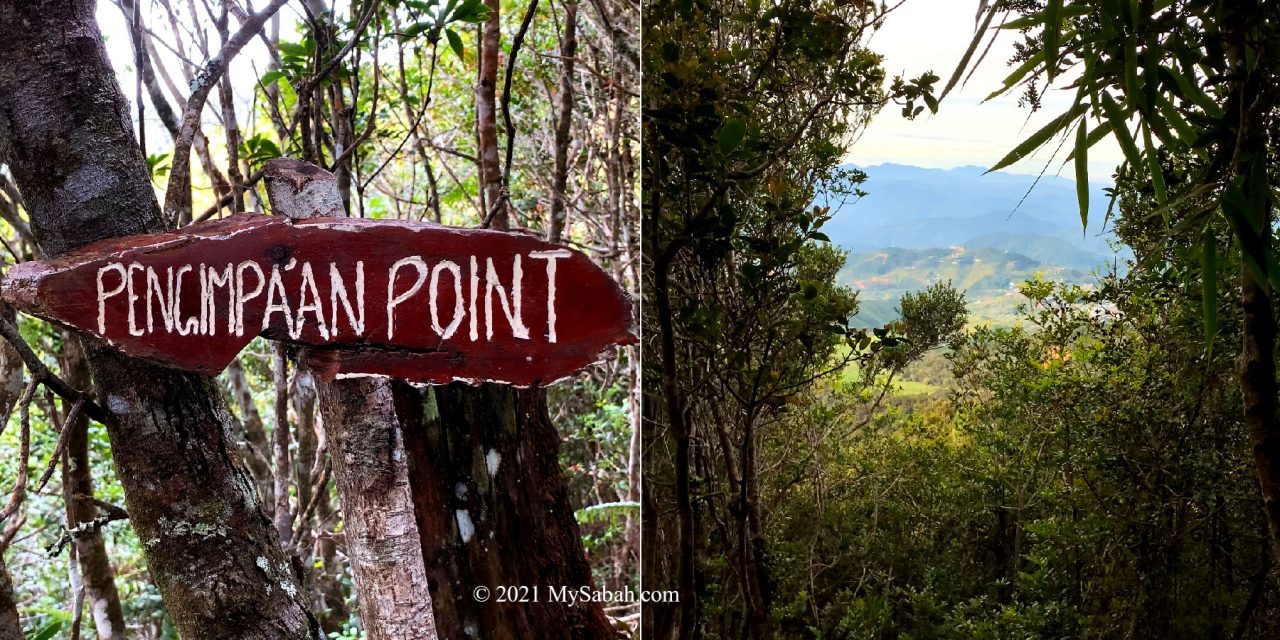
(1092, 470)
(748, 110)
(1191, 92)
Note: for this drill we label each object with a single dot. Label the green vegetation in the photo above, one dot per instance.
(1095, 455)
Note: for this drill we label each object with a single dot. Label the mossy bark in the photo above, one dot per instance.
(65, 134)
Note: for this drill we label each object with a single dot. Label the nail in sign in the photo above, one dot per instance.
(408, 300)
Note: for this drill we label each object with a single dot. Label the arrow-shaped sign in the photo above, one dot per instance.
(404, 299)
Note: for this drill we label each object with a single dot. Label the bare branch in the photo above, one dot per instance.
(177, 198)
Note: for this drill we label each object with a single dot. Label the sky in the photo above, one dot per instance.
(932, 35)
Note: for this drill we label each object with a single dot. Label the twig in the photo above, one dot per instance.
(112, 512)
(42, 375)
(229, 198)
(24, 452)
(178, 195)
(67, 426)
(506, 92)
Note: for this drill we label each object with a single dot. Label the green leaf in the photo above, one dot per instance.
(416, 29)
(473, 11)
(731, 135)
(50, 630)
(455, 42)
(1052, 26)
(271, 77)
(1017, 75)
(1154, 168)
(1209, 283)
(1038, 17)
(1187, 88)
(1099, 132)
(293, 48)
(1039, 137)
(1236, 210)
(606, 512)
(1131, 91)
(1120, 126)
(1082, 172)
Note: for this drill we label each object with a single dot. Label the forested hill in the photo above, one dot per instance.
(984, 232)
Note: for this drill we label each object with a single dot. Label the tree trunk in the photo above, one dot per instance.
(256, 444)
(65, 132)
(11, 369)
(568, 49)
(369, 466)
(77, 478)
(1258, 384)
(493, 509)
(487, 121)
(1257, 362)
(10, 624)
(480, 527)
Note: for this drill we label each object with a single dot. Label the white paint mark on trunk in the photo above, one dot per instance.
(466, 528)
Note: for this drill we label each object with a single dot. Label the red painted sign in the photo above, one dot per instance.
(408, 300)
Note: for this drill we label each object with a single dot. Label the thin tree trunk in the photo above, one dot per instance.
(493, 509)
(10, 623)
(676, 418)
(66, 136)
(11, 369)
(487, 121)
(255, 433)
(1257, 371)
(302, 393)
(1257, 362)
(568, 49)
(98, 577)
(371, 472)
(333, 612)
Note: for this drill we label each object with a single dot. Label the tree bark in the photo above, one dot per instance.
(98, 577)
(256, 444)
(10, 623)
(493, 509)
(65, 132)
(564, 119)
(1257, 362)
(371, 472)
(11, 369)
(487, 121)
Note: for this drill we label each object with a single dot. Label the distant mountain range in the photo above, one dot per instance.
(985, 233)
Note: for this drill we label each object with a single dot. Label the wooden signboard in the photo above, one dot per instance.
(409, 300)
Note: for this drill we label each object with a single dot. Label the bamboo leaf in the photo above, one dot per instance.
(1052, 32)
(1039, 137)
(1017, 75)
(1082, 172)
(1120, 126)
(1154, 168)
(1099, 132)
